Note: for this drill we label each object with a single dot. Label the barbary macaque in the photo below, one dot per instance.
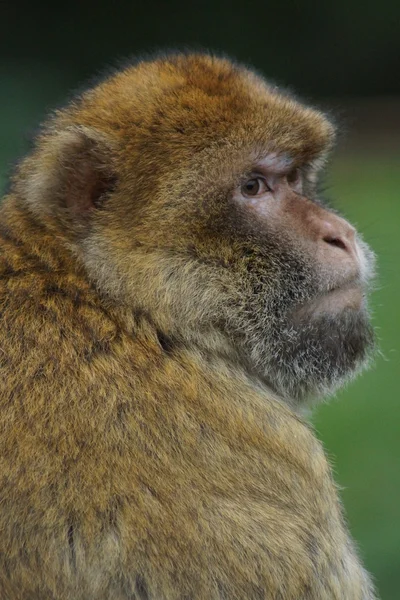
(173, 291)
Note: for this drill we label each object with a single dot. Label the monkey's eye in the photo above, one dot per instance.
(254, 187)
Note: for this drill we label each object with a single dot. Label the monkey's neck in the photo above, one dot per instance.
(39, 256)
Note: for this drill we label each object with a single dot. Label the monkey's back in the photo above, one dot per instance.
(131, 467)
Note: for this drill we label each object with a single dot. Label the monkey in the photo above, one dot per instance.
(173, 293)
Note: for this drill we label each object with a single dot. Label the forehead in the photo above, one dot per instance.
(199, 102)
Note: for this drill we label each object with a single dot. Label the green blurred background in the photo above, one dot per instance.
(344, 56)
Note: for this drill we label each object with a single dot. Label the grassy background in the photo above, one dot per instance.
(360, 429)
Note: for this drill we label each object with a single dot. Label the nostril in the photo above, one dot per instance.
(335, 241)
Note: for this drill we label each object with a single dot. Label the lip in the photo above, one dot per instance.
(347, 283)
(348, 295)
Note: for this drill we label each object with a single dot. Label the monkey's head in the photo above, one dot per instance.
(188, 188)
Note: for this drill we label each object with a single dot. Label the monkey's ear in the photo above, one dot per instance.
(73, 171)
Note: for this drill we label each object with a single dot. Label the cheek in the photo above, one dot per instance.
(313, 237)
(281, 213)
(257, 209)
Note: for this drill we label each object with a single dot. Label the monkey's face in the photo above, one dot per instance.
(272, 196)
(281, 276)
(213, 225)
(307, 319)
(294, 275)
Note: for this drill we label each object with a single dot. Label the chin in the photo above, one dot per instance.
(317, 352)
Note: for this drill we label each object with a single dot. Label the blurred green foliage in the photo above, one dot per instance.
(360, 428)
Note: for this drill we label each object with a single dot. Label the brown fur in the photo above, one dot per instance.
(139, 457)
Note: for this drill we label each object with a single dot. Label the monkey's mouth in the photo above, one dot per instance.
(350, 295)
(349, 281)
(347, 295)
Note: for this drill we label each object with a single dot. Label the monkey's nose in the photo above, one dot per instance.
(338, 232)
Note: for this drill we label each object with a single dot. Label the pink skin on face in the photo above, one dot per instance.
(329, 240)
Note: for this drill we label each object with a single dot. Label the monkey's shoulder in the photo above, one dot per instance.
(152, 437)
